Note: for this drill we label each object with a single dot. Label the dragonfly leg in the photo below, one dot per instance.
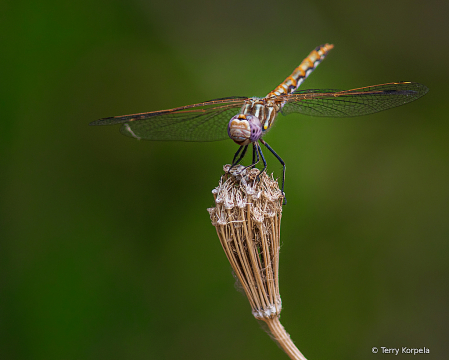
(283, 166)
(242, 155)
(256, 158)
(259, 149)
(236, 154)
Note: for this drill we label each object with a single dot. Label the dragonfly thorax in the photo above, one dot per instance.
(244, 129)
(265, 109)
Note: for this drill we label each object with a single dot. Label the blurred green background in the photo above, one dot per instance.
(107, 251)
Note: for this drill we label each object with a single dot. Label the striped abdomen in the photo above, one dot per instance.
(302, 71)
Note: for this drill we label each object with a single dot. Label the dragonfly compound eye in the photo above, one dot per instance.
(244, 129)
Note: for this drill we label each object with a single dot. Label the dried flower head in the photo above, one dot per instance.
(247, 217)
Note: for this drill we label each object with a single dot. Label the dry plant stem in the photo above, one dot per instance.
(247, 217)
(283, 338)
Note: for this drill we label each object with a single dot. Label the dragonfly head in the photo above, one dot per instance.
(244, 129)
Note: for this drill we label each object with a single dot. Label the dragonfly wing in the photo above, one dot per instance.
(200, 122)
(210, 125)
(355, 102)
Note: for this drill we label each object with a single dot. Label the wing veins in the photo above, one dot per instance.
(231, 102)
(188, 118)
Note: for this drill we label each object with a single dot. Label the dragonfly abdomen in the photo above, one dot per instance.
(291, 83)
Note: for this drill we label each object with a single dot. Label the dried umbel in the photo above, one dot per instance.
(247, 217)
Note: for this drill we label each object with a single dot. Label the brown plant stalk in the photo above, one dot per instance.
(247, 217)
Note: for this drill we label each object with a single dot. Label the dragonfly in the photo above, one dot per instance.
(246, 120)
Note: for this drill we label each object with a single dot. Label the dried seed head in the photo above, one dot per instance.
(247, 217)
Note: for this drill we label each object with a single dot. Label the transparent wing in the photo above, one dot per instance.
(199, 122)
(355, 102)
